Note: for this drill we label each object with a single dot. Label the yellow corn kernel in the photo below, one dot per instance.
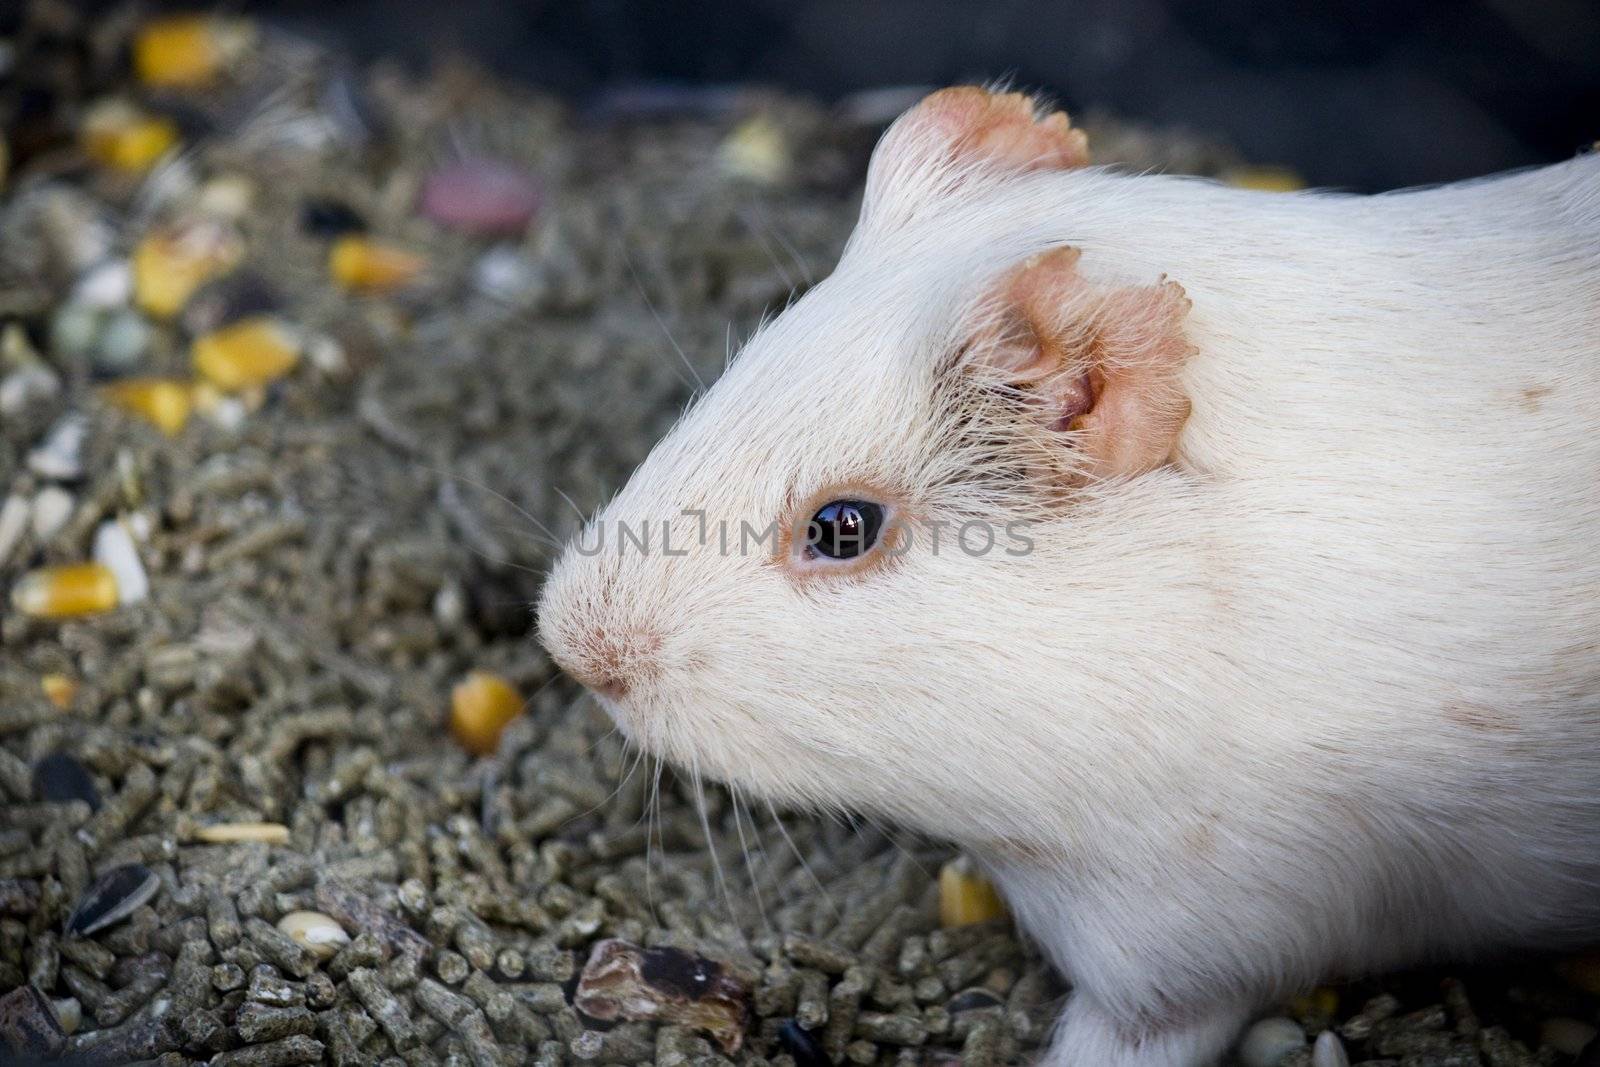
(65, 592)
(371, 267)
(965, 896)
(184, 51)
(170, 264)
(59, 689)
(251, 353)
(117, 134)
(1265, 179)
(166, 402)
(480, 708)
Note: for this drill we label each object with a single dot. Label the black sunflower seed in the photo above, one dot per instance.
(60, 777)
(806, 1049)
(973, 1000)
(113, 897)
(330, 218)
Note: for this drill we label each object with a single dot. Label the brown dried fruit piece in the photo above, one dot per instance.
(28, 1025)
(623, 981)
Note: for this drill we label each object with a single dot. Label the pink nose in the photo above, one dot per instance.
(609, 662)
(606, 683)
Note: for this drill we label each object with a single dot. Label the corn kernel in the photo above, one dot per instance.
(183, 51)
(59, 689)
(315, 932)
(117, 134)
(251, 353)
(371, 267)
(1265, 179)
(480, 708)
(170, 264)
(965, 896)
(166, 402)
(65, 592)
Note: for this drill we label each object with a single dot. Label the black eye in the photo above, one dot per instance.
(844, 529)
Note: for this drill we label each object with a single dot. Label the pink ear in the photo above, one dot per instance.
(1001, 128)
(1104, 362)
(955, 128)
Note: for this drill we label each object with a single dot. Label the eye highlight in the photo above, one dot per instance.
(843, 529)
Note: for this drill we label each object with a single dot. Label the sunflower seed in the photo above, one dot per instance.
(113, 897)
(59, 777)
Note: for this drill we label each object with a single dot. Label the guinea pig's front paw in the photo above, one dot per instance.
(1089, 1036)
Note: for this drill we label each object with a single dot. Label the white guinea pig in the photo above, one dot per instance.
(1283, 660)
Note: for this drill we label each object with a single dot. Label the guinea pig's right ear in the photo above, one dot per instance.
(1097, 367)
(952, 133)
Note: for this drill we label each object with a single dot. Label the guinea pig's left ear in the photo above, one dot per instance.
(1100, 364)
(956, 133)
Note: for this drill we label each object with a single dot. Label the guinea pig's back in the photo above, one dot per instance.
(1397, 410)
(1395, 405)
(1443, 326)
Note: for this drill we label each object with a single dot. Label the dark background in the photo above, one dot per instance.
(1360, 95)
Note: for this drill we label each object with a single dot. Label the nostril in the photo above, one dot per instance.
(593, 674)
(609, 662)
(614, 687)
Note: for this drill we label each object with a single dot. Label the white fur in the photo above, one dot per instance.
(1320, 698)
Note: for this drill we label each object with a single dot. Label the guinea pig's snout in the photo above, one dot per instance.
(612, 662)
(612, 658)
